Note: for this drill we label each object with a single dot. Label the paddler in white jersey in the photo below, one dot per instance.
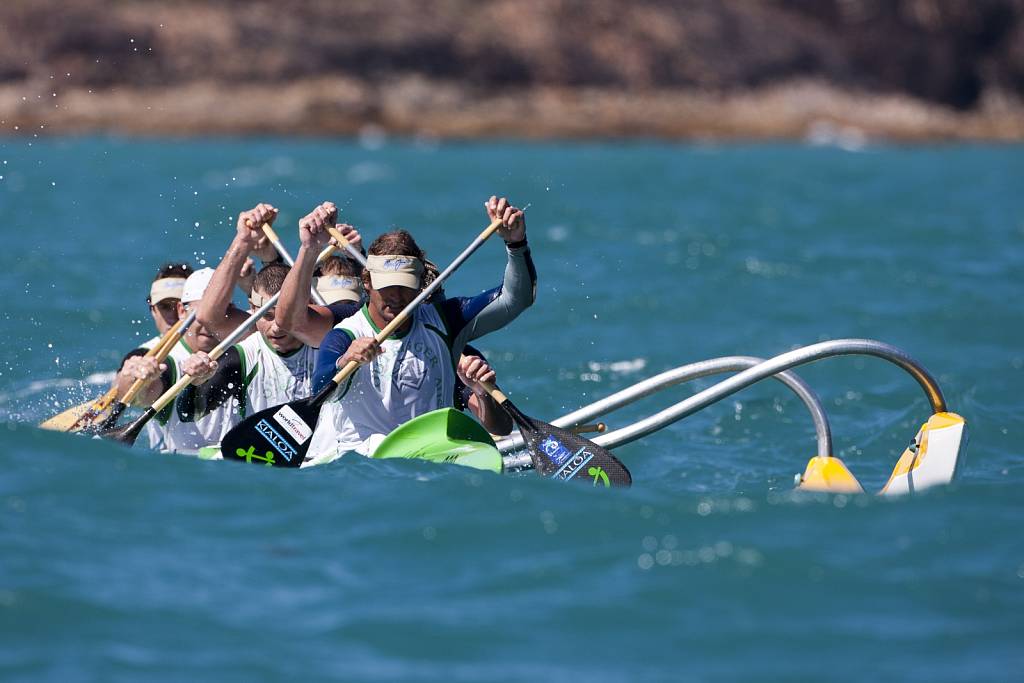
(264, 369)
(164, 303)
(176, 428)
(414, 371)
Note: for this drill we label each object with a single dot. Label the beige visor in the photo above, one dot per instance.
(256, 300)
(390, 271)
(166, 288)
(335, 288)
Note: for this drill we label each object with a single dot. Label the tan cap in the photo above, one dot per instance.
(195, 285)
(394, 270)
(335, 288)
(165, 288)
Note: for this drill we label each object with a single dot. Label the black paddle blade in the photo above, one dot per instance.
(561, 454)
(129, 433)
(277, 436)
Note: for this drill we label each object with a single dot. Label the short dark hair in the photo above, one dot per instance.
(340, 265)
(172, 269)
(271, 277)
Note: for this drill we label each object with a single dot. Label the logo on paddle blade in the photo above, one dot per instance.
(279, 443)
(599, 474)
(250, 455)
(293, 424)
(554, 449)
(576, 462)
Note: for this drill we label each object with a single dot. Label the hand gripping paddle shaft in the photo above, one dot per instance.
(280, 436)
(561, 453)
(345, 244)
(130, 433)
(287, 258)
(162, 349)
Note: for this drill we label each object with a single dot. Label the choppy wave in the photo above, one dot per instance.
(373, 569)
(120, 564)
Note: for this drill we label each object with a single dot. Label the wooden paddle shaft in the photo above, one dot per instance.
(345, 244)
(226, 344)
(163, 349)
(494, 392)
(276, 241)
(400, 319)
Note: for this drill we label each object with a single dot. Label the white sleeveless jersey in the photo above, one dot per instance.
(153, 429)
(169, 434)
(271, 378)
(413, 375)
(149, 343)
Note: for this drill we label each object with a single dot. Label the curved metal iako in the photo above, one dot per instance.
(933, 457)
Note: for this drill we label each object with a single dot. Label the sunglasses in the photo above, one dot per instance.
(167, 306)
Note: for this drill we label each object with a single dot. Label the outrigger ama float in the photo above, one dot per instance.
(932, 458)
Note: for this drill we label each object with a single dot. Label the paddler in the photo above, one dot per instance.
(179, 428)
(414, 371)
(311, 322)
(176, 428)
(164, 303)
(264, 369)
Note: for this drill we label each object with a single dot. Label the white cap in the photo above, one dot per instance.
(390, 270)
(195, 285)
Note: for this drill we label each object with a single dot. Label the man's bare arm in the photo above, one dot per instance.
(215, 312)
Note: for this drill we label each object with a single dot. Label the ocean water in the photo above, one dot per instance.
(125, 565)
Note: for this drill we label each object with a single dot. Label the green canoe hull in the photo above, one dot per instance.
(444, 435)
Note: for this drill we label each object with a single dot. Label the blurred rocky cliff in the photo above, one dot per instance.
(901, 69)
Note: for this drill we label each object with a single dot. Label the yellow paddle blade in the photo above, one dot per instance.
(81, 415)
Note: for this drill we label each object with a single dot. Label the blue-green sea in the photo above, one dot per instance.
(127, 565)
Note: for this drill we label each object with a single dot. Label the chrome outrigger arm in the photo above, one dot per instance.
(932, 458)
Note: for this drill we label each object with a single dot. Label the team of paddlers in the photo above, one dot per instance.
(329, 311)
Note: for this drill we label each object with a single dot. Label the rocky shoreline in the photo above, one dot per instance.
(415, 107)
(845, 71)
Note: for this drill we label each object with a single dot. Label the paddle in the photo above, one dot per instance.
(130, 433)
(83, 415)
(276, 241)
(561, 453)
(77, 415)
(280, 436)
(344, 243)
(172, 337)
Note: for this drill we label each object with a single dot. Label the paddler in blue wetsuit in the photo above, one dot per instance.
(415, 371)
